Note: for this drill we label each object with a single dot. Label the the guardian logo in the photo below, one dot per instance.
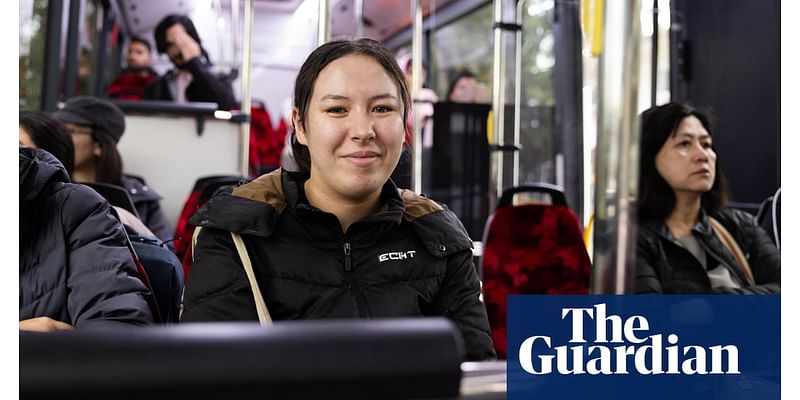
(628, 349)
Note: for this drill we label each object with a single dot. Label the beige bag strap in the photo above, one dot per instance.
(733, 247)
(261, 306)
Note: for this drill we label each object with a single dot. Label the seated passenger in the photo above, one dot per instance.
(74, 267)
(192, 80)
(96, 126)
(687, 243)
(40, 130)
(338, 239)
(131, 81)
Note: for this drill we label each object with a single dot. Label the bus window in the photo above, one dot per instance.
(464, 44)
(32, 31)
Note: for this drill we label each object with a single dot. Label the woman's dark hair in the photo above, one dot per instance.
(51, 135)
(160, 33)
(656, 196)
(318, 60)
(457, 77)
(109, 164)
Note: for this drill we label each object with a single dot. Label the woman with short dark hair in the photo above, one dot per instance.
(687, 241)
(338, 239)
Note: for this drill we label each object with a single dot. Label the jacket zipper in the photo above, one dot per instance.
(347, 263)
(361, 302)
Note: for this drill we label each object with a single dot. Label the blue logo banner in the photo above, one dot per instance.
(643, 347)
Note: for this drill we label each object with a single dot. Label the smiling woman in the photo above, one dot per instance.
(687, 242)
(354, 132)
(338, 239)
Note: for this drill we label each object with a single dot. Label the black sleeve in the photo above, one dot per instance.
(459, 301)
(647, 280)
(216, 286)
(762, 255)
(206, 86)
(156, 90)
(104, 286)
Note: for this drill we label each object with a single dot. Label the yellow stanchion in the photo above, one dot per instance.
(592, 24)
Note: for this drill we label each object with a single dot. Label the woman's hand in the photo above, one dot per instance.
(43, 324)
(188, 47)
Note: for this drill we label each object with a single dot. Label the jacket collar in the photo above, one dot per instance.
(703, 227)
(254, 208)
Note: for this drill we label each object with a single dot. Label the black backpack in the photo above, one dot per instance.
(164, 273)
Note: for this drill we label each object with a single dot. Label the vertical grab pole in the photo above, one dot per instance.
(498, 92)
(358, 8)
(323, 22)
(416, 88)
(617, 150)
(244, 128)
(517, 90)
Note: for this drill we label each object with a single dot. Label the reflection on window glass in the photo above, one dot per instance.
(89, 46)
(538, 53)
(538, 128)
(32, 23)
(465, 44)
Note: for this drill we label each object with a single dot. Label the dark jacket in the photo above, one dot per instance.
(665, 266)
(147, 204)
(411, 259)
(205, 86)
(74, 265)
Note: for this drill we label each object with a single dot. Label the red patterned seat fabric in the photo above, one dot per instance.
(531, 249)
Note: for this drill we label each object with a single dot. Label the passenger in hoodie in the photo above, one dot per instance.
(75, 270)
(338, 239)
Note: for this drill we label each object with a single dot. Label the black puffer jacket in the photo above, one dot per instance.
(74, 265)
(664, 266)
(411, 259)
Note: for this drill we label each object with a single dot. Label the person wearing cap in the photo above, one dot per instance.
(96, 126)
(192, 79)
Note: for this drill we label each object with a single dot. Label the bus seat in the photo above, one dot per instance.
(531, 248)
(204, 188)
(769, 217)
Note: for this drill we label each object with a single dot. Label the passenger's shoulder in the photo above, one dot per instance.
(417, 206)
(267, 188)
(251, 209)
(437, 226)
(138, 189)
(733, 218)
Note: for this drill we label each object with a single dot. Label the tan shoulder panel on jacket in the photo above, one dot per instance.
(266, 188)
(417, 206)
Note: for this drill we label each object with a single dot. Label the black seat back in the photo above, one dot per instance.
(341, 359)
(769, 217)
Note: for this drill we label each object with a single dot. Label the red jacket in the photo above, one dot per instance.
(129, 84)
